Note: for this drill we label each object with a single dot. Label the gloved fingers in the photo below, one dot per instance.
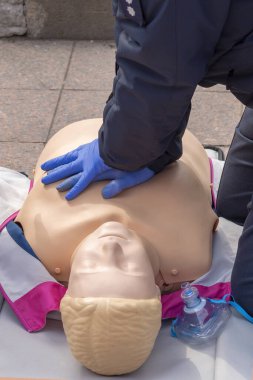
(109, 174)
(129, 179)
(112, 189)
(116, 186)
(80, 186)
(61, 172)
(69, 183)
(60, 160)
(142, 175)
(72, 181)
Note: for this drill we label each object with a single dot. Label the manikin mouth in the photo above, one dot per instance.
(113, 229)
(113, 235)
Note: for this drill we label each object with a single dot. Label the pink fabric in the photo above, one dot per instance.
(31, 185)
(172, 303)
(9, 219)
(33, 307)
(13, 216)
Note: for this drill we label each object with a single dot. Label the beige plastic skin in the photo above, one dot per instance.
(171, 213)
(111, 336)
(119, 254)
(112, 255)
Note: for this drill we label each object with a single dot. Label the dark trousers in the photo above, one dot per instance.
(234, 203)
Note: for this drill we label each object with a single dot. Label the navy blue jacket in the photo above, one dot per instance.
(165, 48)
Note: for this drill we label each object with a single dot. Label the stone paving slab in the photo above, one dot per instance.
(20, 156)
(217, 88)
(36, 64)
(214, 117)
(92, 66)
(81, 74)
(26, 115)
(78, 105)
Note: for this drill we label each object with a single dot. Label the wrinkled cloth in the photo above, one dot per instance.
(14, 188)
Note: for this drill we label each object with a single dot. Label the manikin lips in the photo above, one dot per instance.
(113, 229)
(113, 235)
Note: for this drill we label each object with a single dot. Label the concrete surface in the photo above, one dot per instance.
(75, 19)
(45, 85)
(12, 18)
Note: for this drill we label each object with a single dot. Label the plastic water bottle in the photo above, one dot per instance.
(201, 320)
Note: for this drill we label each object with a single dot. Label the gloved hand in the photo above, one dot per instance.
(83, 166)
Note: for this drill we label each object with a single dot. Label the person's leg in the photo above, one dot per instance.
(232, 68)
(242, 274)
(236, 185)
(235, 193)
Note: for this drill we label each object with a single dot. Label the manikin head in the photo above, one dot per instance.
(112, 310)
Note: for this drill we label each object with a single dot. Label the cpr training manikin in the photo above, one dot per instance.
(116, 256)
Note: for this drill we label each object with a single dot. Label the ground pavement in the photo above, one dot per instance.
(45, 85)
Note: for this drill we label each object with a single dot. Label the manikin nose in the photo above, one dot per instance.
(113, 252)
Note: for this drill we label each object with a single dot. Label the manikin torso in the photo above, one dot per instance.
(172, 211)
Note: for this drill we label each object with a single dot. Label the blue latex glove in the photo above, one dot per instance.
(84, 165)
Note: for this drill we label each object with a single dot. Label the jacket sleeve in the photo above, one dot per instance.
(163, 50)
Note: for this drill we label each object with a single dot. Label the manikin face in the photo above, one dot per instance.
(113, 262)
